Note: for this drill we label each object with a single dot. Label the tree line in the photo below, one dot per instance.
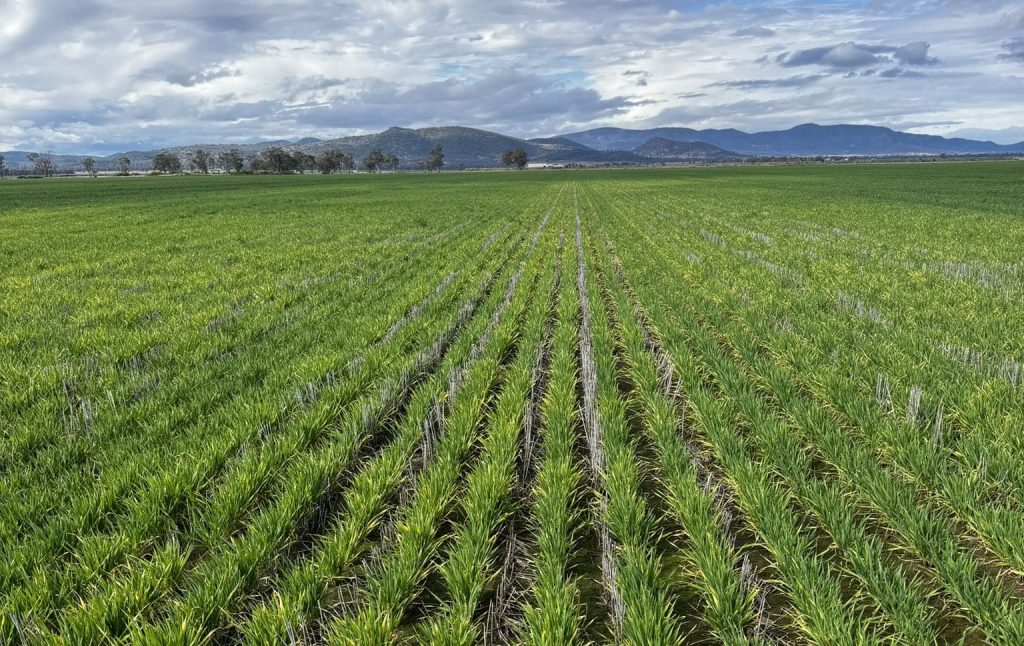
(44, 165)
(274, 160)
(277, 160)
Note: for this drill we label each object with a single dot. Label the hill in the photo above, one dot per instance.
(804, 140)
(668, 150)
(469, 147)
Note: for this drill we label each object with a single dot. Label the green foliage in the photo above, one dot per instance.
(515, 157)
(435, 159)
(166, 162)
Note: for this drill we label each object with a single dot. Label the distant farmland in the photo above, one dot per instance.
(734, 405)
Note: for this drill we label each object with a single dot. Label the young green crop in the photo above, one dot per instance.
(757, 405)
(710, 558)
(640, 607)
(923, 529)
(395, 579)
(303, 588)
(469, 567)
(344, 438)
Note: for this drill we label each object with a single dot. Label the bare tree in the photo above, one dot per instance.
(391, 161)
(43, 163)
(508, 158)
(124, 165)
(3, 167)
(89, 166)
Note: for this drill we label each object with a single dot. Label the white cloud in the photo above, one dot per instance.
(100, 76)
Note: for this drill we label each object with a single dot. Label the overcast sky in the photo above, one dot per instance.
(103, 76)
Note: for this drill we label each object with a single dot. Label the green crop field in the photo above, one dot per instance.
(735, 405)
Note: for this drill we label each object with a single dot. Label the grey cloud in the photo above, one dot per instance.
(852, 55)
(234, 23)
(640, 75)
(205, 76)
(753, 84)
(504, 100)
(755, 112)
(843, 55)
(915, 54)
(229, 112)
(296, 86)
(900, 72)
(225, 19)
(46, 22)
(755, 32)
(1014, 20)
(506, 94)
(1014, 49)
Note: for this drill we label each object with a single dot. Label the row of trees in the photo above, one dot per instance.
(45, 165)
(378, 161)
(333, 161)
(270, 160)
(279, 161)
(199, 161)
(164, 162)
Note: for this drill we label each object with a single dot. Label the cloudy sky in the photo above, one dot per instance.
(102, 76)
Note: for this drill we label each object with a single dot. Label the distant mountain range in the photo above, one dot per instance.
(807, 140)
(474, 148)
